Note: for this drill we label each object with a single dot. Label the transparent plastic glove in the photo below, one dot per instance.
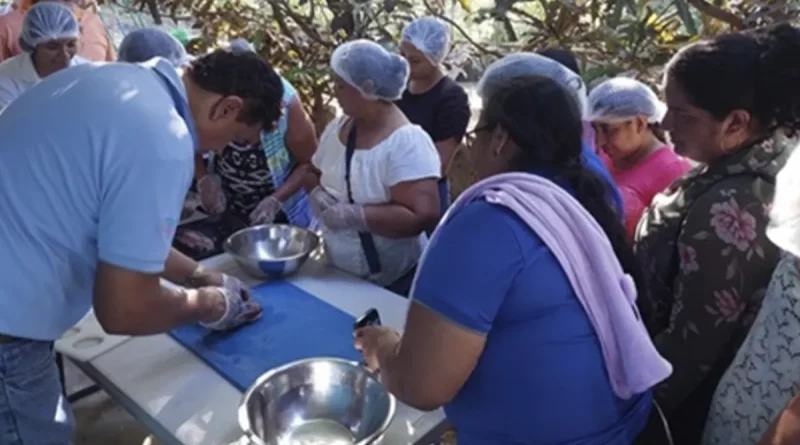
(237, 311)
(319, 200)
(266, 211)
(209, 187)
(344, 216)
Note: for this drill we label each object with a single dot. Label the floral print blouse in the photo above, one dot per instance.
(708, 262)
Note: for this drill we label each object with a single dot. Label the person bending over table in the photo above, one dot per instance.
(528, 64)
(730, 102)
(90, 205)
(254, 183)
(433, 100)
(375, 193)
(497, 332)
(49, 41)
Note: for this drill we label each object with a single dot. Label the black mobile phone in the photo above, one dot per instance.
(370, 318)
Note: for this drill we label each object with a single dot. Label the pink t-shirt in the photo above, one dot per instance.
(641, 183)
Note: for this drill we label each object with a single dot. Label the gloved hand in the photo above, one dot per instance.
(319, 200)
(209, 187)
(266, 211)
(205, 277)
(237, 310)
(344, 216)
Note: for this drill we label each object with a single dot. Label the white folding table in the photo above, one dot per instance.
(181, 400)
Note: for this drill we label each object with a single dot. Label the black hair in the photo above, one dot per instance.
(242, 74)
(562, 56)
(757, 71)
(544, 121)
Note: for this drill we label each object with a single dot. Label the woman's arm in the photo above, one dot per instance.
(451, 124)
(785, 430)
(453, 310)
(725, 262)
(301, 141)
(414, 208)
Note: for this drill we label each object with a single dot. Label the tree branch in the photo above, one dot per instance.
(718, 13)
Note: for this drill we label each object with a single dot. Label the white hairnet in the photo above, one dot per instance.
(145, 43)
(368, 67)
(517, 65)
(241, 45)
(47, 21)
(621, 99)
(429, 35)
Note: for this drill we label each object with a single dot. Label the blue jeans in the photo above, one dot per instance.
(33, 408)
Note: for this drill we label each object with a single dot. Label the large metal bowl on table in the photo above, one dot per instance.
(318, 401)
(271, 250)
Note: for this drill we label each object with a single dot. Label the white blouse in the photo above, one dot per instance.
(18, 75)
(408, 154)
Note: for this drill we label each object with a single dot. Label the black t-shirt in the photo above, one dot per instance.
(443, 111)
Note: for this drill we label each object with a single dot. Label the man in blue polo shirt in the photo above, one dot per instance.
(95, 163)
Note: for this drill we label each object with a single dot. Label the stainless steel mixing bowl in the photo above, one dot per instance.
(318, 401)
(271, 250)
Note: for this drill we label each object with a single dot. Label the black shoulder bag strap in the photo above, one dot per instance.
(367, 242)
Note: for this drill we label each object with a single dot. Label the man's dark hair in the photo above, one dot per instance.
(562, 56)
(242, 74)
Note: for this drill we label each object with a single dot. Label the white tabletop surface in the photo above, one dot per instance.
(177, 395)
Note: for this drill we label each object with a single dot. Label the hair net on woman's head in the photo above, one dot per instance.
(368, 67)
(429, 35)
(47, 21)
(241, 45)
(144, 44)
(529, 64)
(622, 99)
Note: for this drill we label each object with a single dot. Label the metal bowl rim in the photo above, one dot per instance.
(229, 250)
(244, 421)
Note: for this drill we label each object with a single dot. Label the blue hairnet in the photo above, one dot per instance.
(621, 99)
(145, 43)
(47, 21)
(368, 67)
(241, 45)
(530, 64)
(429, 35)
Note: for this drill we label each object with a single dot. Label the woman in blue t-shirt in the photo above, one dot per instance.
(496, 333)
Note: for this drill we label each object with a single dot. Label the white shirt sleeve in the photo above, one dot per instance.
(411, 157)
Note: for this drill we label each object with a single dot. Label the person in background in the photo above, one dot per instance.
(703, 241)
(765, 374)
(143, 44)
(497, 331)
(626, 115)
(49, 39)
(94, 44)
(433, 100)
(529, 64)
(254, 182)
(90, 205)
(375, 193)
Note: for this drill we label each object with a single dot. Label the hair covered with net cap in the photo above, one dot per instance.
(429, 35)
(144, 44)
(518, 65)
(621, 99)
(375, 72)
(45, 22)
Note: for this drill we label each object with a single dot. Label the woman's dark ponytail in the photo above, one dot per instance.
(544, 121)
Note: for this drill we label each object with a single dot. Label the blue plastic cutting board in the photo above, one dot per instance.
(295, 325)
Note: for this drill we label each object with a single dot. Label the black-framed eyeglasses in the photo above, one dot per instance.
(469, 136)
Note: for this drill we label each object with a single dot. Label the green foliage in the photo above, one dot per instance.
(609, 36)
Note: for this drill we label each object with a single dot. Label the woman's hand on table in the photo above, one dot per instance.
(266, 211)
(229, 309)
(212, 199)
(375, 342)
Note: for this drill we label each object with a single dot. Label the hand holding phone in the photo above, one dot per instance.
(370, 318)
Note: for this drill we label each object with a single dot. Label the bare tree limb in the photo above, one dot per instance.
(718, 13)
